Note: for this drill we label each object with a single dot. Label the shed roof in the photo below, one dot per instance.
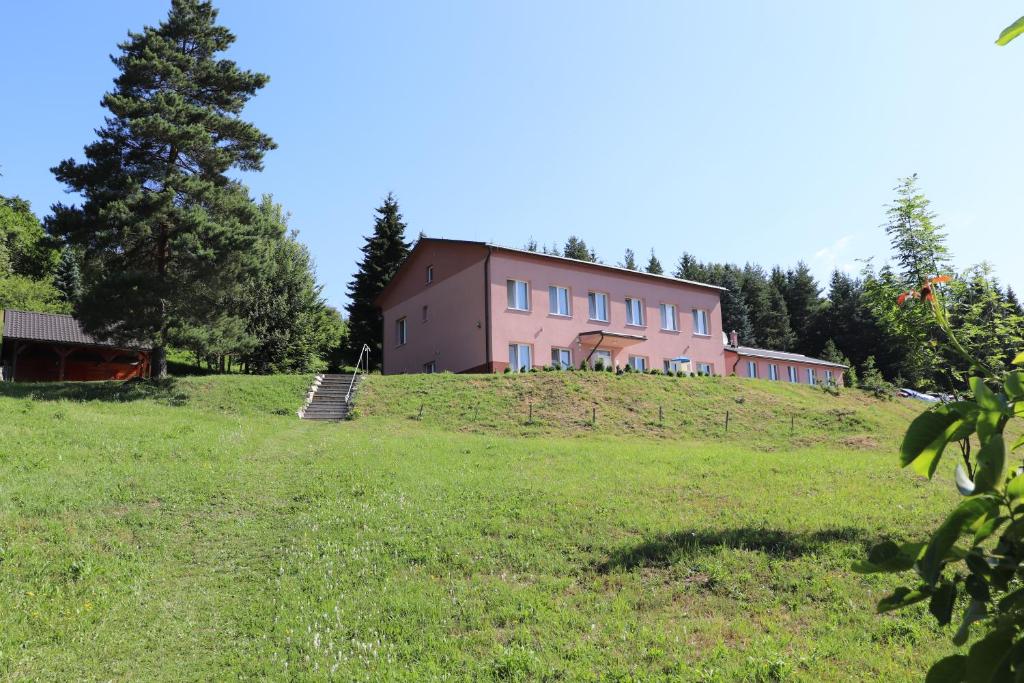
(52, 327)
(781, 355)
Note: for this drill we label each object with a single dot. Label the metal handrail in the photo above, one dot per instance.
(365, 351)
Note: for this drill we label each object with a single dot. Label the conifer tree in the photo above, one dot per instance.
(803, 303)
(629, 261)
(165, 232)
(1013, 302)
(69, 276)
(918, 242)
(689, 268)
(654, 265)
(577, 249)
(383, 253)
(735, 314)
(531, 245)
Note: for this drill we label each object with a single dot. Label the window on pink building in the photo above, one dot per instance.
(561, 358)
(700, 322)
(518, 295)
(634, 312)
(558, 301)
(752, 369)
(669, 321)
(401, 331)
(520, 357)
(598, 306)
(792, 375)
(773, 372)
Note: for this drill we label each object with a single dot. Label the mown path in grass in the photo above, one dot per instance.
(207, 538)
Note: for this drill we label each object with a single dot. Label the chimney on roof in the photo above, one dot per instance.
(734, 338)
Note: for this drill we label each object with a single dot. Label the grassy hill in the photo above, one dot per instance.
(200, 531)
(769, 415)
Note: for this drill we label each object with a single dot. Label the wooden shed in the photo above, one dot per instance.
(48, 347)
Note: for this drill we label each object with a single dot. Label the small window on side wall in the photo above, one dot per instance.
(401, 331)
(430, 274)
(430, 368)
(705, 369)
(518, 295)
(700, 322)
(426, 313)
(752, 369)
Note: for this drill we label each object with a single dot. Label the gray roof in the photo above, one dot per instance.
(782, 355)
(51, 327)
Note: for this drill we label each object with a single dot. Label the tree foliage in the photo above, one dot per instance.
(383, 253)
(577, 249)
(654, 265)
(163, 229)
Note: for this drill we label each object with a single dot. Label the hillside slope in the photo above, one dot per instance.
(766, 414)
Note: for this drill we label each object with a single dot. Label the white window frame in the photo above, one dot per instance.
(669, 315)
(517, 349)
(639, 363)
(705, 368)
(592, 298)
(752, 369)
(555, 301)
(773, 372)
(557, 358)
(794, 375)
(701, 319)
(402, 331)
(829, 377)
(635, 312)
(812, 378)
(430, 274)
(514, 289)
(430, 367)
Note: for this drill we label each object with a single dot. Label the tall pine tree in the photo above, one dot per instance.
(803, 302)
(383, 254)
(654, 265)
(69, 276)
(165, 232)
(629, 261)
(735, 314)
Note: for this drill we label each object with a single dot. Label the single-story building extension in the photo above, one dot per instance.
(49, 347)
(465, 306)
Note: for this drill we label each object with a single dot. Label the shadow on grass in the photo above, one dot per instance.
(665, 549)
(164, 391)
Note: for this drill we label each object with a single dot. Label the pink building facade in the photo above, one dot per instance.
(459, 306)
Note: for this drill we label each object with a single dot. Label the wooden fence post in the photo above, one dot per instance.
(421, 412)
(727, 422)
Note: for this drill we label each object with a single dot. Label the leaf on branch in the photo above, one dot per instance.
(991, 464)
(929, 567)
(1014, 385)
(976, 611)
(1020, 442)
(985, 397)
(941, 605)
(1008, 34)
(951, 669)
(1019, 360)
(1015, 489)
(989, 658)
(930, 432)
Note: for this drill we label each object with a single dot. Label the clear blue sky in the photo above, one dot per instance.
(740, 131)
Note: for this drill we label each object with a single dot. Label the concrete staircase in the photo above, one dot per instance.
(326, 398)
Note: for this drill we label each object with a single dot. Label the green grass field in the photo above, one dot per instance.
(201, 532)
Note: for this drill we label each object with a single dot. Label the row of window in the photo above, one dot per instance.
(560, 304)
(520, 359)
(794, 377)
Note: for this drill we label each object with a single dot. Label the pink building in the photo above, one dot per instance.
(464, 306)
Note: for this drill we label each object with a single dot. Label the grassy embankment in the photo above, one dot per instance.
(202, 532)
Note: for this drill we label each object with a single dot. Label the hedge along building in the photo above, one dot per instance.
(44, 347)
(465, 306)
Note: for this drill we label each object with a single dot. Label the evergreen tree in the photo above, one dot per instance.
(282, 305)
(803, 303)
(689, 268)
(383, 253)
(69, 276)
(918, 243)
(629, 261)
(772, 323)
(1013, 302)
(165, 232)
(577, 249)
(531, 245)
(654, 265)
(735, 314)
